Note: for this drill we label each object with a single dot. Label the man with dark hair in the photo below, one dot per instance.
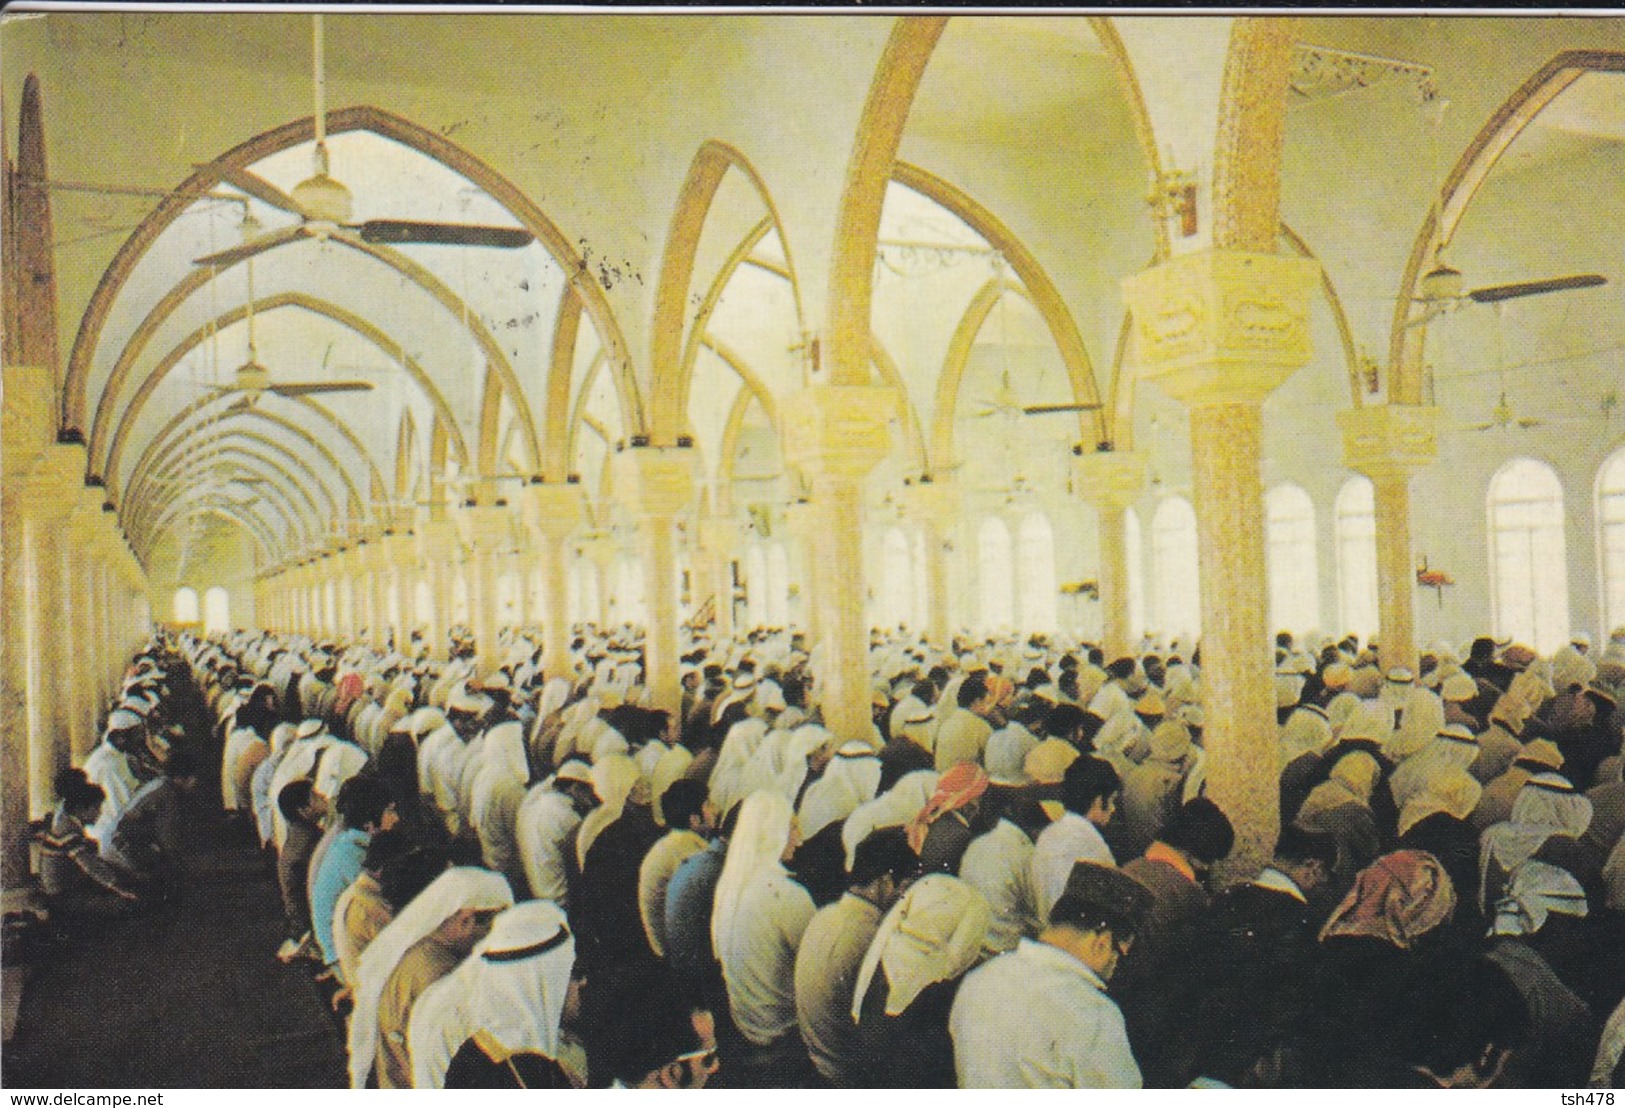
(145, 839)
(690, 899)
(78, 883)
(364, 806)
(1068, 1034)
(1089, 793)
(963, 732)
(1244, 973)
(303, 809)
(691, 818)
(832, 952)
(668, 1045)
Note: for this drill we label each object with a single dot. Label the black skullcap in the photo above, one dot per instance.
(1102, 898)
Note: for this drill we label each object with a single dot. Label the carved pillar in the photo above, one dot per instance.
(1111, 482)
(1220, 330)
(1389, 443)
(835, 435)
(552, 513)
(655, 484)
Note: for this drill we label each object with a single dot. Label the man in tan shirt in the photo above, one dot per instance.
(425, 962)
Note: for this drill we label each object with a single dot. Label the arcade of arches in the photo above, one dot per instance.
(790, 285)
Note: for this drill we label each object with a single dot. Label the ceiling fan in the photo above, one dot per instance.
(323, 203)
(252, 379)
(1440, 291)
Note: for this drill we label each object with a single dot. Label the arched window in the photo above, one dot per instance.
(1528, 561)
(896, 580)
(778, 585)
(1134, 547)
(186, 605)
(1175, 575)
(216, 610)
(1611, 538)
(1037, 562)
(994, 568)
(1357, 559)
(754, 565)
(1294, 568)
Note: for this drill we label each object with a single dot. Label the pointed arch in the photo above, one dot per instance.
(673, 359)
(354, 118)
(1405, 342)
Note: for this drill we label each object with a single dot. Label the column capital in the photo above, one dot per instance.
(551, 511)
(1221, 326)
(1110, 479)
(653, 481)
(934, 503)
(838, 431)
(1389, 440)
(483, 528)
(51, 487)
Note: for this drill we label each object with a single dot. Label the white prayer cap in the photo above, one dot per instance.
(123, 720)
(1400, 675)
(574, 770)
(462, 700)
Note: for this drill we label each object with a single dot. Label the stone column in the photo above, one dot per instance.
(25, 756)
(1389, 443)
(486, 538)
(933, 506)
(718, 542)
(835, 435)
(655, 484)
(1112, 482)
(1219, 330)
(376, 563)
(801, 522)
(74, 678)
(552, 513)
(601, 552)
(437, 551)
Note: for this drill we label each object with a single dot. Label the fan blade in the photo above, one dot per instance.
(391, 231)
(1496, 293)
(248, 249)
(244, 405)
(1530, 422)
(314, 388)
(257, 187)
(1046, 409)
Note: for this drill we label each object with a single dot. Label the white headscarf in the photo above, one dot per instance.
(613, 780)
(892, 808)
(934, 933)
(450, 893)
(1423, 717)
(518, 991)
(758, 843)
(849, 780)
(1445, 753)
(738, 748)
(1547, 805)
(673, 764)
(1453, 791)
(1536, 890)
(339, 762)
